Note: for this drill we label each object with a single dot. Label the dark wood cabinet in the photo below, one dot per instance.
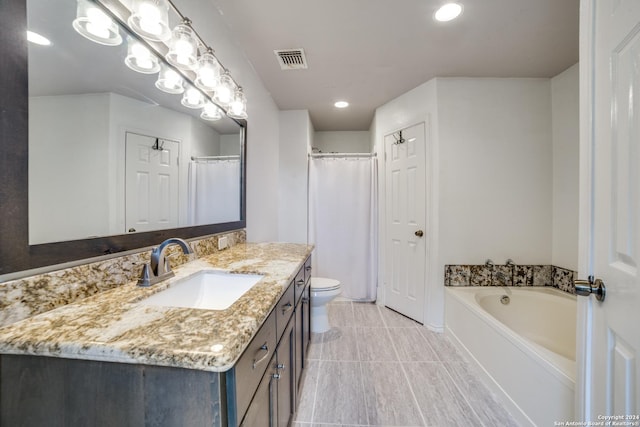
(260, 390)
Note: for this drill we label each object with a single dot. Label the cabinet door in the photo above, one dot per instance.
(262, 411)
(306, 324)
(299, 344)
(286, 375)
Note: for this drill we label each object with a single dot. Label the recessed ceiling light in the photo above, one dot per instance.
(37, 39)
(448, 12)
(341, 104)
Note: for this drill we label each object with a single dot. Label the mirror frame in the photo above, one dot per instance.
(15, 252)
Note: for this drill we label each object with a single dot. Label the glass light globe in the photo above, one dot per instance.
(169, 80)
(93, 23)
(211, 112)
(224, 90)
(183, 47)
(193, 98)
(150, 19)
(208, 76)
(238, 105)
(140, 59)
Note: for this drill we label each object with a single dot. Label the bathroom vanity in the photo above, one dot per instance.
(111, 360)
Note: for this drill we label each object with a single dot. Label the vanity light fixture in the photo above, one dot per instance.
(140, 59)
(208, 76)
(193, 98)
(238, 105)
(150, 19)
(169, 80)
(224, 91)
(448, 12)
(183, 47)
(38, 39)
(94, 24)
(211, 112)
(341, 104)
(208, 80)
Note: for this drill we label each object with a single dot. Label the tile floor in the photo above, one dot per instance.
(378, 368)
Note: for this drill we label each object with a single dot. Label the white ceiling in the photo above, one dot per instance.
(370, 51)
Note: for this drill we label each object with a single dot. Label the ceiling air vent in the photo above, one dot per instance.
(291, 59)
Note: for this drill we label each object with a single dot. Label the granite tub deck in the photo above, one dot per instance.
(114, 327)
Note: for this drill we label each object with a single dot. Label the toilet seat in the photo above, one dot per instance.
(322, 284)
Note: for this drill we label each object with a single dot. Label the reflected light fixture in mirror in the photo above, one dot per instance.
(211, 112)
(140, 59)
(448, 12)
(38, 39)
(193, 98)
(94, 24)
(169, 80)
(238, 105)
(183, 47)
(150, 19)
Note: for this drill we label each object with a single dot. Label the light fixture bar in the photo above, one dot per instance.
(120, 13)
(200, 40)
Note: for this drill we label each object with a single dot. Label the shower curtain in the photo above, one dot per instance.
(343, 223)
(214, 191)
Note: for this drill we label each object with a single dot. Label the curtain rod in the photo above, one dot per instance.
(339, 155)
(215, 157)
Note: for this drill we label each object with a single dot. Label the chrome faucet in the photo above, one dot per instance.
(158, 268)
(503, 281)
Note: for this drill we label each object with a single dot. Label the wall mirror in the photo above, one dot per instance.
(114, 164)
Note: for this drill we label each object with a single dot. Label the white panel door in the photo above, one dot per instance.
(405, 220)
(151, 191)
(611, 376)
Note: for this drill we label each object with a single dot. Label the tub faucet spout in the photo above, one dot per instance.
(503, 280)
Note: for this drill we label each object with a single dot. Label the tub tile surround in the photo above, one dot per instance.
(114, 327)
(520, 275)
(26, 297)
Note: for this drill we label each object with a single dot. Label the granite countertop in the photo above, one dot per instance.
(113, 326)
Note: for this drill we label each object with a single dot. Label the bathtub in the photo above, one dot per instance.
(525, 349)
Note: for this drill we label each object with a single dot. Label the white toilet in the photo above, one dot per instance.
(323, 290)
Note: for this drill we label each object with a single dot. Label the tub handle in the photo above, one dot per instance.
(591, 286)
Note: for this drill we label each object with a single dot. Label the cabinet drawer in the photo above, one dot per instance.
(299, 283)
(253, 362)
(284, 310)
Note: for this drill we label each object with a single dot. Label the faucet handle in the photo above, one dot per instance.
(145, 277)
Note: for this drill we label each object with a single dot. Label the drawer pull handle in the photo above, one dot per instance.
(276, 376)
(264, 348)
(308, 268)
(280, 366)
(305, 300)
(287, 307)
(300, 282)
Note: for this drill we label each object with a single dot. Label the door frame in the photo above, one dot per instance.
(585, 205)
(434, 278)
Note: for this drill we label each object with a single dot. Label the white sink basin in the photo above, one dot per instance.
(207, 289)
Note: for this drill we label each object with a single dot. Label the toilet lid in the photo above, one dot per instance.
(324, 284)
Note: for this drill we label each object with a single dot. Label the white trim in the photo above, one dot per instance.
(585, 233)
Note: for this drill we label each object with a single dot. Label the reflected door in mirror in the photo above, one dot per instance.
(152, 177)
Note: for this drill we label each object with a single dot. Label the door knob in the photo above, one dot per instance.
(419, 233)
(591, 286)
